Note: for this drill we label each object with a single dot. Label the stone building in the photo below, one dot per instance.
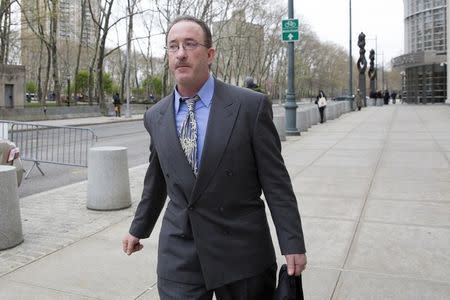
(424, 64)
(239, 47)
(12, 86)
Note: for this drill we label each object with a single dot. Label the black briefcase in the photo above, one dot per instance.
(289, 287)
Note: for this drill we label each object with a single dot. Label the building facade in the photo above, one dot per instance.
(424, 64)
(241, 48)
(36, 14)
(12, 86)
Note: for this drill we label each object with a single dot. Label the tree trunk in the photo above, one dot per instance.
(41, 97)
(80, 45)
(101, 56)
(54, 50)
(5, 17)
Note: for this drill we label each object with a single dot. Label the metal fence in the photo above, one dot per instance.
(63, 145)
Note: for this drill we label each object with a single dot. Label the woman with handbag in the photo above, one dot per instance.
(321, 101)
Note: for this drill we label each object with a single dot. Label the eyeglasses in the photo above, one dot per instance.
(188, 45)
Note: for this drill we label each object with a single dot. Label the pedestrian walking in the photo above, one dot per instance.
(117, 104)
(358, 99)
(321, 101)
(386, 97)
(393, 96)
(214, 150)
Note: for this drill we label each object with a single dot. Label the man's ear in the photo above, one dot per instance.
(211, 55)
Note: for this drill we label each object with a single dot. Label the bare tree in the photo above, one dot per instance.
(5, 29)
(54, 15)
(103, 25)
(35, 18)
(80, 43)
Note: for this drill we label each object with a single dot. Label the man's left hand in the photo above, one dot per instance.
(296, 263)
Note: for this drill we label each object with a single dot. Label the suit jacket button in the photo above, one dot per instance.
(183, 235)
(228, 172)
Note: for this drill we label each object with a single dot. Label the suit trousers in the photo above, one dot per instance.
(259, 287)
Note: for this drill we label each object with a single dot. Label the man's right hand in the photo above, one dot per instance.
(131, 244)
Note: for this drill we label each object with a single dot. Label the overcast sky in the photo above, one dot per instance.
(380, 19)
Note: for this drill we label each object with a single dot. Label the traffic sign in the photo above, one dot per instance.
(289, 25)
(289, 29)
(290, 36)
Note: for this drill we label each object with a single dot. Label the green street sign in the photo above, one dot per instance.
(289, 30)
(289, 25)
(290, 36)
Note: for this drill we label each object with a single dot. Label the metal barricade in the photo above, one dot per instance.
(63, 145)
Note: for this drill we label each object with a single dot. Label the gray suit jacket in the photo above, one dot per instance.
(215, 228)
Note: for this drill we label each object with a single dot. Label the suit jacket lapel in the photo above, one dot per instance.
(169, 150)
(222, 117)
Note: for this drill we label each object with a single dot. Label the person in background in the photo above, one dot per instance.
(250, 84)
(393, 96)
(358, 99)
(386, 97)
(321, 107)
(213, 150)
(117, 104)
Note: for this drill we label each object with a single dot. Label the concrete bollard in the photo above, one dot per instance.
(301, 125)
(308, 117)
(312, 116)
(108, 179)
(280, 125)
(10, 220)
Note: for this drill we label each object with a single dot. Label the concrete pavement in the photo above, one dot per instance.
(373, 191)
(89, 121)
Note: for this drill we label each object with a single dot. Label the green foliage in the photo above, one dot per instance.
(152, 85)
(82, 81)
(31, 87)
(108, 84)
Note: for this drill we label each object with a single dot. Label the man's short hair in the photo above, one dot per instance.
(201, 23)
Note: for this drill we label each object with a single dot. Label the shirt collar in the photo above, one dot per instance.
(205, 93)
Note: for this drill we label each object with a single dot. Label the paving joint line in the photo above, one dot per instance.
(439, 148)
(64, 247)
(363, 208)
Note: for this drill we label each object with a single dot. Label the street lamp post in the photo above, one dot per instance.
(350, 58)
(291, 105)
(448, 54)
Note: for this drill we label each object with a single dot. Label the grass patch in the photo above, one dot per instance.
(34, 104)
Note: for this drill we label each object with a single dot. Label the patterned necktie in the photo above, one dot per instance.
(188, 133)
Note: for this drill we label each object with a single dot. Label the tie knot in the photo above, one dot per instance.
(190, 100)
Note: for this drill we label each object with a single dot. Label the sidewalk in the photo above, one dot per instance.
(373, 191)
(89, 121)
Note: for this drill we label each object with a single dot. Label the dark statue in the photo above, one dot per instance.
(362, 66)
(372, 74)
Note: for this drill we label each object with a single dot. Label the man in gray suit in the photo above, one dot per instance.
(214, 149)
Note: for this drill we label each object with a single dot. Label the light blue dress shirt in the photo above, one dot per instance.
(202, 108)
